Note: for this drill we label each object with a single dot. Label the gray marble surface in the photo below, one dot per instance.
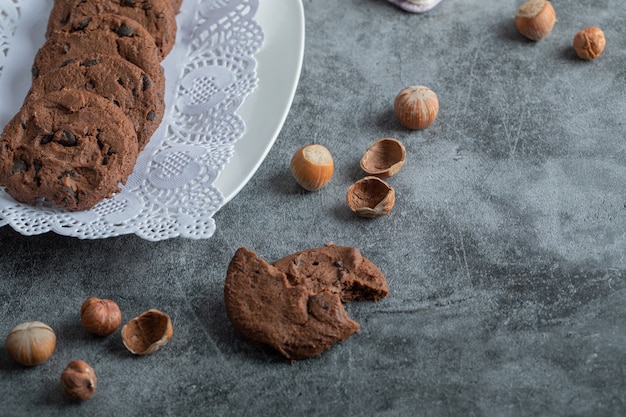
(505, 252)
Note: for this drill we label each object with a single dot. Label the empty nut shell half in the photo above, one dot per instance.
(148, 332)
(384, 158)
(371, 197)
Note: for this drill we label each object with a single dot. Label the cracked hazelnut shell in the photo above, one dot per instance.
(371, 197)
(148, 332)
(384, 158)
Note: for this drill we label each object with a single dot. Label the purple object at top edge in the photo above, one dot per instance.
(414, 8)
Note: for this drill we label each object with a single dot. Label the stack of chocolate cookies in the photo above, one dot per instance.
(96, 99)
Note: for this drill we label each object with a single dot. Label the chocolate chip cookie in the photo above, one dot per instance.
(106, 34)
(157, 16)
(295, 305)
(70, 148)
(115, 79)
(176, 5)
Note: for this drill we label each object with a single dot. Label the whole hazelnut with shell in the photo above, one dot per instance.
(535, 19)
(100, 316)
(416, 107)
(78, 381)
(31, 343)
(589, 43)
(312, 166)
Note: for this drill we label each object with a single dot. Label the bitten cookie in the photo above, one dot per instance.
(298, 315)
(338, 269)
(70, 148)
(157, 16)
(106, 34)
(115, 79)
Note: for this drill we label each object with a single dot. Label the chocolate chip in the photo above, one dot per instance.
(81, 25)
(34, 71)
(69, 173)
(147, 6)
(151, 116)
(89, 85)
(89, 63)
(47, 139)
(146, 82)
(67, 62)
(124, 30)
(130, 3)
(19, 165)
(69, 139)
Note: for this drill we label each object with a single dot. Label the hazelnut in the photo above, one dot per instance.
(371, 197)
(384, 158)
(148, 332)
(78, 381)
(312, 166)
(535, 19)
(31, 343)
(100, 317)
(416, 107)
(589, 43)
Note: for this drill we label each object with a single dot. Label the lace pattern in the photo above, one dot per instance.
(171, 191)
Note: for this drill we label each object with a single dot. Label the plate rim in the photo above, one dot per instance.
(274, 67)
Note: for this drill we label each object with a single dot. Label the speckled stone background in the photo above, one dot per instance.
(505, 252)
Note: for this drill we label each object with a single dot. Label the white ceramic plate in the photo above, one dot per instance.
(264, 111)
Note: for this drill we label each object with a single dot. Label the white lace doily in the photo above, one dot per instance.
(171, 192)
